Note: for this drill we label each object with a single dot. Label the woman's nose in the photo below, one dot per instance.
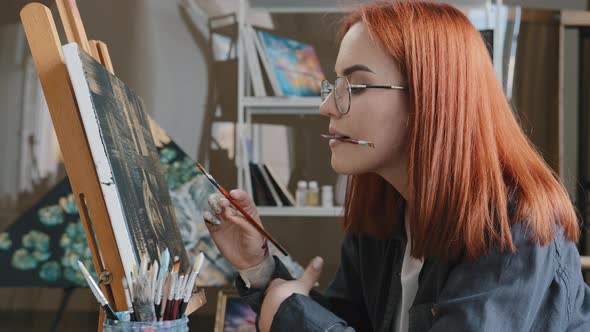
(328, 107)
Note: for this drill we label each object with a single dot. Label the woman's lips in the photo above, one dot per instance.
(334, 139)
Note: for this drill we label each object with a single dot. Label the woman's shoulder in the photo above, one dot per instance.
(559, 248)
(530, 260)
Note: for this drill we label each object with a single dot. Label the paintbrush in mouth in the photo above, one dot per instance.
(349, 140)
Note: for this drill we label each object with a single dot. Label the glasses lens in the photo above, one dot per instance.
(342, 94)
(326, 88)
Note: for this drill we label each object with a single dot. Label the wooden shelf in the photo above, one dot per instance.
(336, 211)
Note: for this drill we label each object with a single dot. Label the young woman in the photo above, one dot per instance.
(453, 220)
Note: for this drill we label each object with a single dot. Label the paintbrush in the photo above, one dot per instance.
(241, 209)
(154, 280)
(161, 280)
(128, 299)
(178, 296)
(188, 291)
(143, 306)
(110, 314)
(166, 290)
(171, 291)
(349, 140)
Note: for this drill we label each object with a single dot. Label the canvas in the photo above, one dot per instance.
(126, 160)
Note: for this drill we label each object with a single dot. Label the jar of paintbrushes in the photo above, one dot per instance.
(158, 296)
(177, 325)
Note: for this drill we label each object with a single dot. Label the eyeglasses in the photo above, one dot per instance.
(343, 91)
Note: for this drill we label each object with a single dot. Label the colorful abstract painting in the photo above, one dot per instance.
(295, 65)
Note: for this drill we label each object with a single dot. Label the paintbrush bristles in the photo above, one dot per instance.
(143, 305)
(199, 263)
(155, 287)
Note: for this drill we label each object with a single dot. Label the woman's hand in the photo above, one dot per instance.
(237, 240)
(279, 290)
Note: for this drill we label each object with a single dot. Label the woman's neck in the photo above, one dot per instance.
(397, 176)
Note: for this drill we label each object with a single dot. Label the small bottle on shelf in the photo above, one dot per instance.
(301, 193)
(327, 196)
(313, 194)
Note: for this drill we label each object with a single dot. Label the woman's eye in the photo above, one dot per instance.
(355, 90)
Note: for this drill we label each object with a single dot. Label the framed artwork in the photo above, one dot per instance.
(233, 314)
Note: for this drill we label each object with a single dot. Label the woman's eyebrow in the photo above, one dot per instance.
(353, 68)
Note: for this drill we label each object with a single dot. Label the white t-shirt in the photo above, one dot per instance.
(411, 268)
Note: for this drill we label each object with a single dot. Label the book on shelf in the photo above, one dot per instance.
(292, 65)
(270, 74)
(266, 190)
(276, 200)
(267, 164)
(248, 42)
(261, 193)
(285, 196)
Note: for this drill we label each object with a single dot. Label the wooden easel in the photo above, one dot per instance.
(47, 54)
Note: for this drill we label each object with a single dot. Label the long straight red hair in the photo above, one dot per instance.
(468, 157)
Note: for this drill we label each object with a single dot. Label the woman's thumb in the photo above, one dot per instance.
(312, 272)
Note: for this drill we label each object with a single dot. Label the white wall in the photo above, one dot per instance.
(153, 51)
(177, 89)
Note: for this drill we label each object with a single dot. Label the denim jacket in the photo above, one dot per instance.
(538, 288)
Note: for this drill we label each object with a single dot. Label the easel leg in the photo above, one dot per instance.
(100, 320)
(62, 307)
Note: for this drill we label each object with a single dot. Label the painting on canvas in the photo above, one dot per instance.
(126, 160)
(296, 65)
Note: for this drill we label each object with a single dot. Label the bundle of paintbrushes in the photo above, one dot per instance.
(159, 292)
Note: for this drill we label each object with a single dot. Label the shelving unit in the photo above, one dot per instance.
(249, 106)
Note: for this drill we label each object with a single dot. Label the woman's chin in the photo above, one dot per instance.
(344, 167)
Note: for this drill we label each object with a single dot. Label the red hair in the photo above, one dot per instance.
(468, 157)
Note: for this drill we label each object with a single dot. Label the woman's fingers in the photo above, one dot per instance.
(224, 211)
(211, 219)
(215, 203)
